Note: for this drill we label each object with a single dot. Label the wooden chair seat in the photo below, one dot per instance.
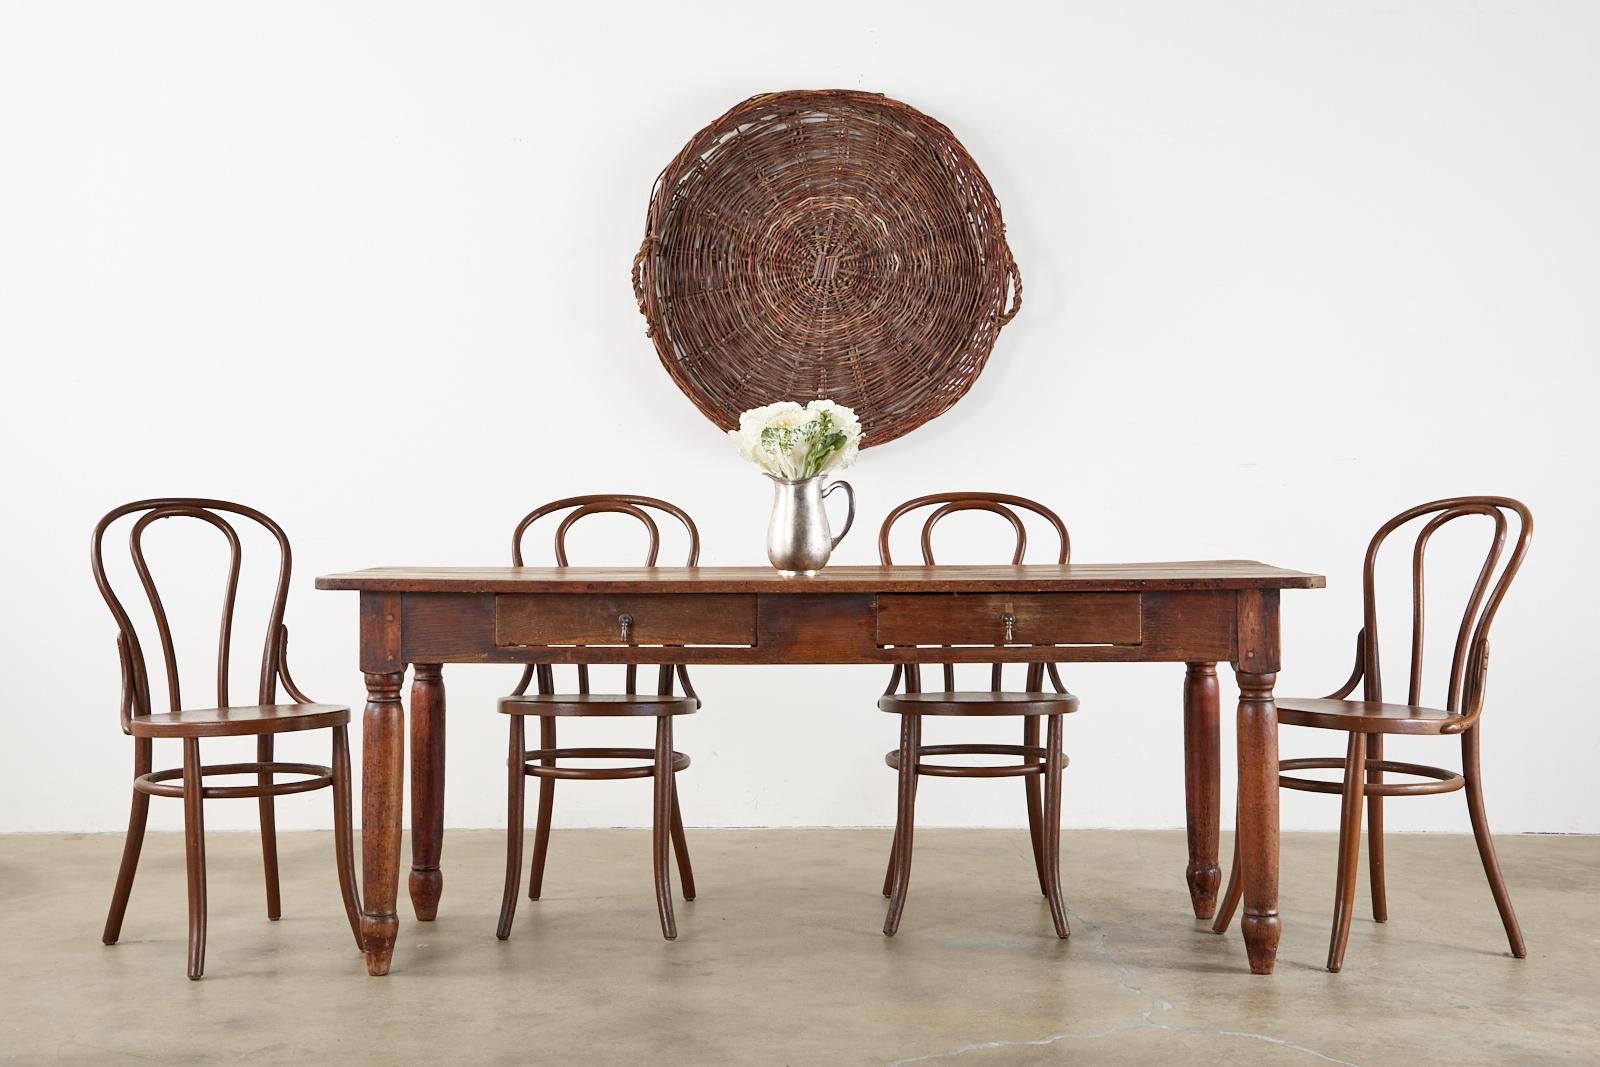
(978, 703)
(246, 721)
(1366, 716)
(263, 720)
(1365, 722)
(544, 763)
(1040, 766)
(591, 704)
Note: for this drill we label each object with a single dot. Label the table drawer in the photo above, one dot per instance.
(1036, 618)
(648, 619)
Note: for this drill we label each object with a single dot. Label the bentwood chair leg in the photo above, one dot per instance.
(661, 826)
(894, 848)
(194, 848)
(1030, 738)
(343, 833)
(1380, 896)
(547, 803)
(269, 831)
(1052, 826)
(516, 784)
(1480, 832)
(1230, 896)
(131, 847)
(1355, 773)
(680, 843)
(910, 742)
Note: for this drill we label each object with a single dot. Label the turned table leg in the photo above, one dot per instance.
(1202, 779)
(383, 762)
(1258, 817)
(427, 788)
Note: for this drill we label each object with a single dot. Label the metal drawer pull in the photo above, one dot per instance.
(625, 624)
(1011, 626)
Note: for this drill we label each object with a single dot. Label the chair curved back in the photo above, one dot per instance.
(1003, 505)
(1470, 658)
(577, 507)
(135, 673)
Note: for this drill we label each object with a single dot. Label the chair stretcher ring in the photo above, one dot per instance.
(154, 783)
(945, 770)
(1441, 780)
(542, 770)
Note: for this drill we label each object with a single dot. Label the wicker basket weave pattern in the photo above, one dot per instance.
(830, 244)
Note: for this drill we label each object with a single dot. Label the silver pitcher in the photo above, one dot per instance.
(798, 539)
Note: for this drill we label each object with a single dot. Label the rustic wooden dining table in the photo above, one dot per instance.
(1199, 614)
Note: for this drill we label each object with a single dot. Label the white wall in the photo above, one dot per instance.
(1290, 268)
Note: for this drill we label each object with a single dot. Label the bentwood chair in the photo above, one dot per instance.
(263, 720)
(1367, 720)
(1032, 703)
(545, 762)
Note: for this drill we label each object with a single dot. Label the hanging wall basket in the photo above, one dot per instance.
(825, 244)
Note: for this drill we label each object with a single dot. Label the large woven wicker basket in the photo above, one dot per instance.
(830, 244)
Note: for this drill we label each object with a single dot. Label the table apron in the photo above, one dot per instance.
(814, 628)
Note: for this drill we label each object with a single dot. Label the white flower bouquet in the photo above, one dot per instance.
(795, 443)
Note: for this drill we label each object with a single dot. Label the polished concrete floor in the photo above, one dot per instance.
(781, 959)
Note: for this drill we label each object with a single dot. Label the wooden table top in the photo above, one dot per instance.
(1032, 578)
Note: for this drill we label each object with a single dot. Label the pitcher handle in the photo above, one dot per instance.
(850, 516)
